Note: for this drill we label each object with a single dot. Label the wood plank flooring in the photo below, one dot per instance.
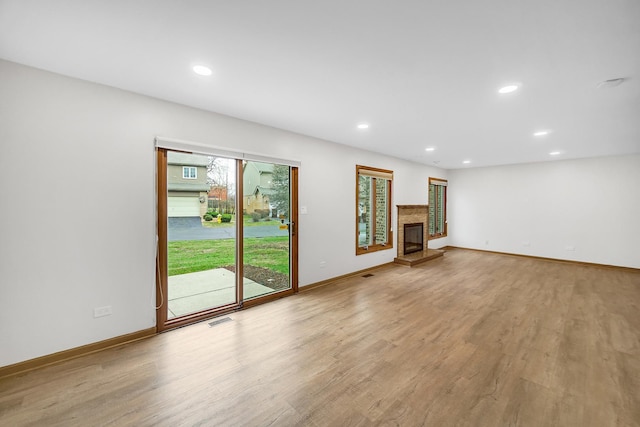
(469, 339)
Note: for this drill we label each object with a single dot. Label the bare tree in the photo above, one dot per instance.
(218, 178)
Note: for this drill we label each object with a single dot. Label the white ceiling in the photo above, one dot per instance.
(422, 73)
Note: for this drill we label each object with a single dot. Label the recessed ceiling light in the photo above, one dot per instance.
(554, 153)
(363, 126)
(466, 162)
(509, 88)
(430, 149)
(202, 70)
(541, 133)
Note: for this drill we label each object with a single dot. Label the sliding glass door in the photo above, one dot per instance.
(201, 241)
(267, 229)
(226, 237)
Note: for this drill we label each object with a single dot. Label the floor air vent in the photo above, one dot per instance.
(368, 275)
(217, 322)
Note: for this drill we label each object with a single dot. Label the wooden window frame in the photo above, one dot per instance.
(444, 184)
(373, 172)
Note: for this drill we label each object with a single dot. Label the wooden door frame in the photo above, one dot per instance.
(161, 238)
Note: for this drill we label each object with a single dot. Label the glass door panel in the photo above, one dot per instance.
(365, 185)
(266, 228)
(201, 238)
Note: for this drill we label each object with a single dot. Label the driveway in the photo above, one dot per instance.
(192, 229)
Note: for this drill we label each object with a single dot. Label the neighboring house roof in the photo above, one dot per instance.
(186, 159)
(187, 186)
(264, 190)
(263, 167)
(252, 173)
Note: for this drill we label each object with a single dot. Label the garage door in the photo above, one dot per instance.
(183, 206)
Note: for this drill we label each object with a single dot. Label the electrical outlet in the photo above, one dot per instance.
(102, 311)
(323, 264)
(570, 248)
(526, 243)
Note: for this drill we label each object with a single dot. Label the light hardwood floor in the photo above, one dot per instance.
(469, 339)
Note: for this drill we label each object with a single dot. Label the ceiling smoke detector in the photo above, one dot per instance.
(610, 83)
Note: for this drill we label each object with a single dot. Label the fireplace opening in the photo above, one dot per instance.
(413, 236)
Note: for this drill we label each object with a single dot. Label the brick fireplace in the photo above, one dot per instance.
(412, 215)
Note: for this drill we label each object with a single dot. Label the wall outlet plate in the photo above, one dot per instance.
(102, 311)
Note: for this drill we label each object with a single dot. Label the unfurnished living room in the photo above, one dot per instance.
(292, 213)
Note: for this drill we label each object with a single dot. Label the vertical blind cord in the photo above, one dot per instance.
(158, 282)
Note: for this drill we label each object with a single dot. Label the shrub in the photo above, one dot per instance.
(208, 217)
(255, 216)
(226, 217)
(212, 212)
(263, 212)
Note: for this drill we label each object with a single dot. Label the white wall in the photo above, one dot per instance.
(77, 228)
(544, 209)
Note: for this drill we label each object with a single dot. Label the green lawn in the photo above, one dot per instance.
(188, 256)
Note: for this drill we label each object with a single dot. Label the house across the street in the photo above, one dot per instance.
(187, 185)
(258, 179)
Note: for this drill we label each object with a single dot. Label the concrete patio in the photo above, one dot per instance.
(192, 292)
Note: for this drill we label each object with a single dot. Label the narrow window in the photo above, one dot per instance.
(437, 208)
(373, 209)
(189, 172)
